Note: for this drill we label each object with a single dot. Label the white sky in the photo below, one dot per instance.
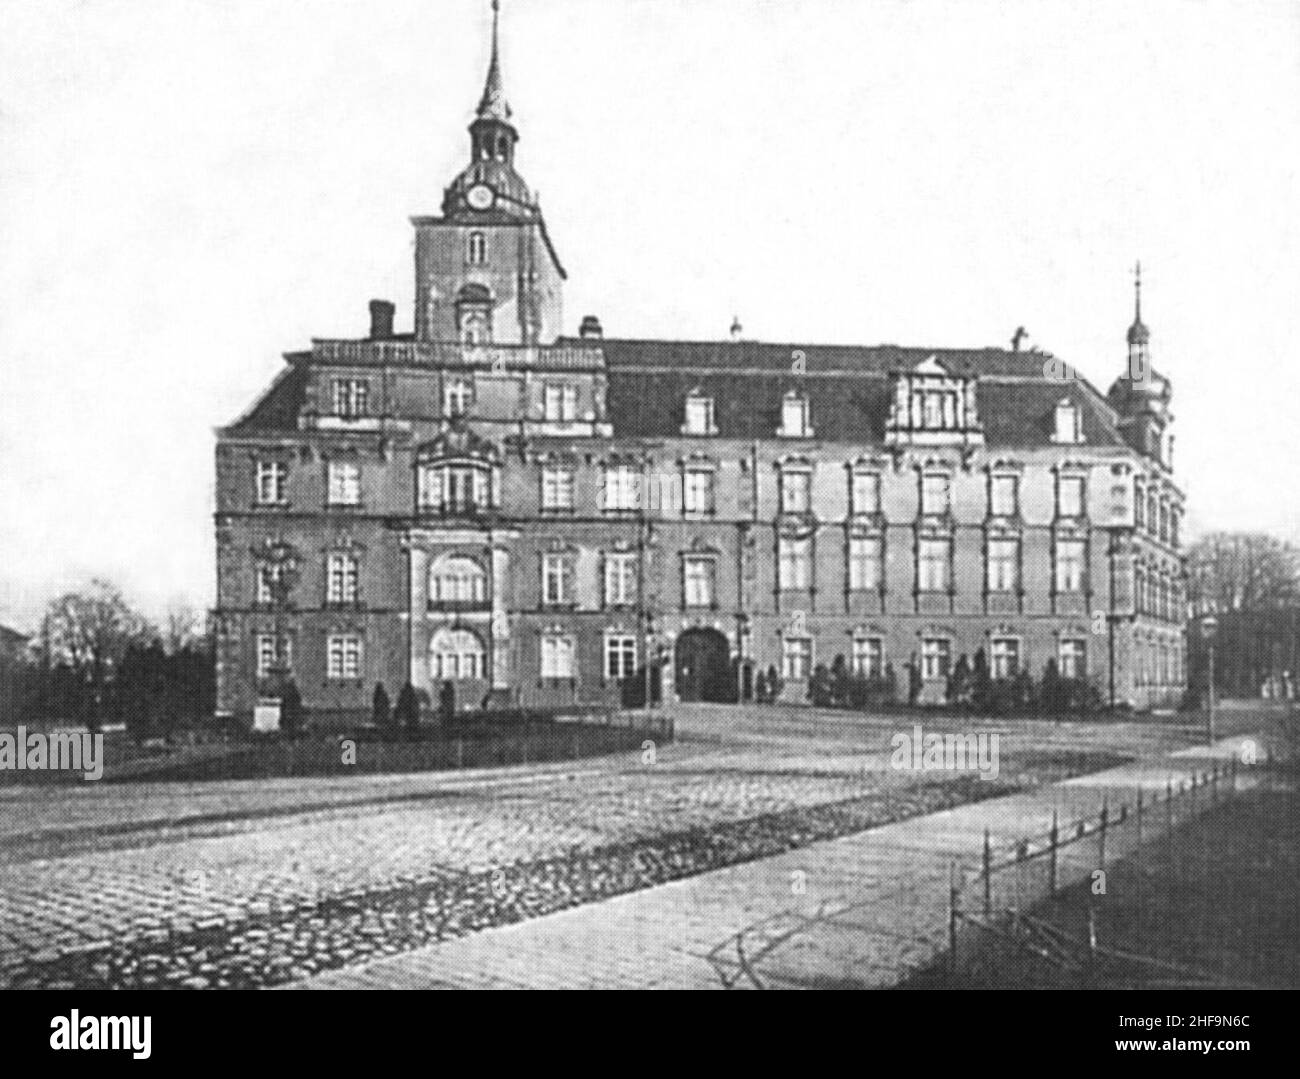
(188, 188)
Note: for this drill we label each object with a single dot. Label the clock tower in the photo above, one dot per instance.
(485, 270)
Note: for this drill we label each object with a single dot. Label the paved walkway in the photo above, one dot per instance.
(863, 909)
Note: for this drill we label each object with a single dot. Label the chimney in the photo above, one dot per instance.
(381, 320)
(590, 327)
(737, 330)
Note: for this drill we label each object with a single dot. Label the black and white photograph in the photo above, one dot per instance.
(638, 494)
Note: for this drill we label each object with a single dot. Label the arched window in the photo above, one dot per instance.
(476, 249)
(456, 655)
(474, 315)
(457, 579)
(474, 328)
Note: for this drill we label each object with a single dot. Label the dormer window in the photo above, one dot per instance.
(794, 416)
(929, 403)
(699, 415)
(1066, 428)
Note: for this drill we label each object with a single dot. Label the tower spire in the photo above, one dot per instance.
(493, 104)
(1138, 334)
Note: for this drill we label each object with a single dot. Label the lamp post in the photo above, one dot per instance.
(1209, 628)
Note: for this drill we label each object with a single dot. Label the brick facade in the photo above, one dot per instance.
(527, 515)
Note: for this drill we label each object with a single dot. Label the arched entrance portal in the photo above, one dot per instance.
(702, 666)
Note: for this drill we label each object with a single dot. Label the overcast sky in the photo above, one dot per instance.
(189, 188)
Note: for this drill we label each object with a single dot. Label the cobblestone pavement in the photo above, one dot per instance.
(359, 854)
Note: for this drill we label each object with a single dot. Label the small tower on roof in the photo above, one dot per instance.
(1140, 396)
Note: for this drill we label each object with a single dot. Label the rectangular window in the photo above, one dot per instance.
(267, 656)
(697, 491)
(796, 658)
(869, 656)
(932, 565)
(343, 656)
(268, 575)
(865, 563)
(557, 487)
(796, 492)
(934, 493)
(699, 416)
(1073, 658)
(351, 398)
(620, 655)
(557, 656)
(620, 579)
(344, 483)
(622, 487)
(1070, 556)
(1005, 657)
(560, 404)
(341, 579)
(456, 398)
(936, 657)
(555, 579)
(272, 477)
(697, 582)
(1004, 492)
(1070, 497)
(794, 563)
(1003, 570)
(865, 493)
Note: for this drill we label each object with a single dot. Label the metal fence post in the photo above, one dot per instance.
(1053, 840)
(954, 898)
(1101, 834)
(1139, 817)
(988, 875)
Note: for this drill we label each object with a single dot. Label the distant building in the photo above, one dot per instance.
(13, 645)
(528, 515)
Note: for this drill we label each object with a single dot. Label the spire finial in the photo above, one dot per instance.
(1137, 291)
(493, 105)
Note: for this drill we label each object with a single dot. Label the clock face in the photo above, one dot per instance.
(480, 197)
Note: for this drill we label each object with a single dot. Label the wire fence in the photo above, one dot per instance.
(930, 911)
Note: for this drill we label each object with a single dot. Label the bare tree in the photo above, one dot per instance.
(181, 628)
(1244, 571)
(88, 631)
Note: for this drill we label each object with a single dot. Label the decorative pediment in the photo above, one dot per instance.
(458, 442)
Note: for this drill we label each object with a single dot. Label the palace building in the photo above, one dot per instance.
(532, 516)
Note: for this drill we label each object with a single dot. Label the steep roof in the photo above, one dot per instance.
(278, 407)
(847, 388)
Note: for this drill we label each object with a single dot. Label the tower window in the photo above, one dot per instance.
(476, 249)
(456, 398)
